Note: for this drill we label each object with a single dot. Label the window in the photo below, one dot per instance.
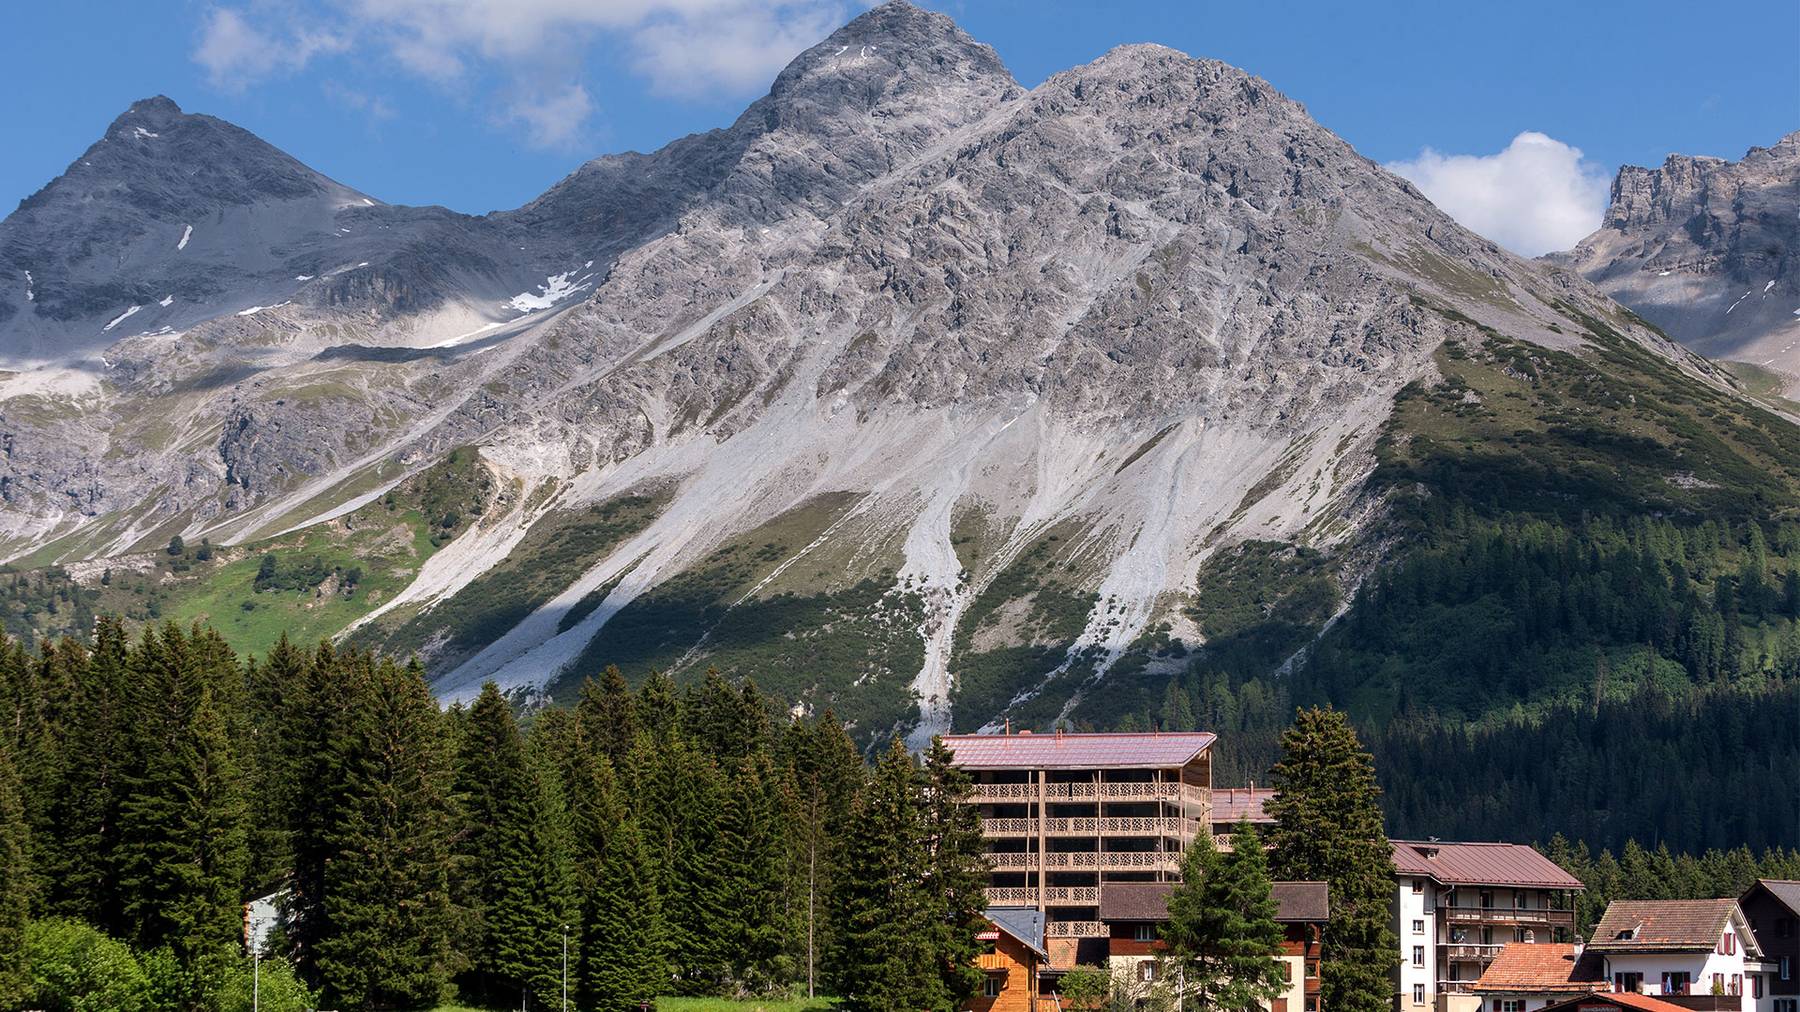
(1718, 984)
(1312, 969)
(1144, 933)
(1629, 983)
(1146, 971)
(990, 988)
(1418, 926)
(1728, 943)
(1312, 1003)
(1785, 1005)
(1418, 955)
(1756, 986)
(1419, 994)
(1787, 973)
(1418, 885)
(1512, 1005)
(1521, 900)
(1675, 982)
(1737, 984)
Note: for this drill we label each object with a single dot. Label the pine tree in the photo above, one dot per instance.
(1327, 812)
(695, 903)
(827, 772)
(182, 825)
(387, 902)
(96, 736)
(883, 957)
(959, 872)
(514, 854)
(753, 853)
(322, 718)
(621, 942)
(15, 886)
(608, 714)
(1222, 931)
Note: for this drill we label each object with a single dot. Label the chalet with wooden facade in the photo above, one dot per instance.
(1134, 911)
(1012, 967)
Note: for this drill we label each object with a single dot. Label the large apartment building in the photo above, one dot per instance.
(1457, 904)
(1066, 814)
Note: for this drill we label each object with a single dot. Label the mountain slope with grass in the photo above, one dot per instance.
(1137, 397)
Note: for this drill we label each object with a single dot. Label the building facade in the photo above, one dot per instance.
(1065, 815)
(1679, 950)
(1773, 908)
(1456, 905)
(1012, 966)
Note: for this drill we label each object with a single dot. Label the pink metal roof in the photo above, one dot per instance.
(1230, 804)
(1502, 864)
(1077, 751)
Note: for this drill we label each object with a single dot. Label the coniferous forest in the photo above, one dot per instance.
(695, 842)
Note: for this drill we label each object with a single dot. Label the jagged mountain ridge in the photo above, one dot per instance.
(1709, 250)
(958, 380)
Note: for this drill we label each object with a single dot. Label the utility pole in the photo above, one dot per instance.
(565, 1005)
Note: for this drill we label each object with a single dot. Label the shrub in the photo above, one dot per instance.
(75, 968)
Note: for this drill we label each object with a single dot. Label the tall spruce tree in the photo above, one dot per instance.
(182, 824)
(958, 872)
(1222, 933)
(387, 900)
(608, 714)
(884, 954)
(1327, 810)
(621, 962)
(15, 886)
(96, 738)
(827, 774)
(323, 715)
(514, 857)
(753, 854)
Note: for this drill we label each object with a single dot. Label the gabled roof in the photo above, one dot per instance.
(1078, 751)
(1542, 968)
(1023, 923)
(1497, 864)
(1295, 902)
(1622, 999)
(1786, 891)
(1230, 804)
(1669, 926)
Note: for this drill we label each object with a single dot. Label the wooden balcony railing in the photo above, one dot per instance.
(1028, 895)
(1469, 950)
(1075, 929)
(1109, 826)
(1086, 860)
(1087, 791)
(1505, 915)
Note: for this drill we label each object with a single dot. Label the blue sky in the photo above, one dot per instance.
(481, 104)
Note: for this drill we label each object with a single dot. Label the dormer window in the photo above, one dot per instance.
(1628, 935)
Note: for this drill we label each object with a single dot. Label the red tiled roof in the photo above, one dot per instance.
(1525, 968)
(1502, 864)
(1663, 925)
(1231, 804)
(1078, 751)
(1596, 997)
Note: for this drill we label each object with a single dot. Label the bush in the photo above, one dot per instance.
(75, 968)
(280, 990)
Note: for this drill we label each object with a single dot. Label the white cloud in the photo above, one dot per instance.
(537, 48)
(1536, 196)
(237, 52)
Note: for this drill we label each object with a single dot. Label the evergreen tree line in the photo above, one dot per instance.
(1638, 873)
(696, 841)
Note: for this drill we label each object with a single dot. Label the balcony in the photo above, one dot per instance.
(1506, 915)
(1075, 929)
(1110, 826)
(1469, 950)
(1087, 791)
(1014, 896)
(1087, 860)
